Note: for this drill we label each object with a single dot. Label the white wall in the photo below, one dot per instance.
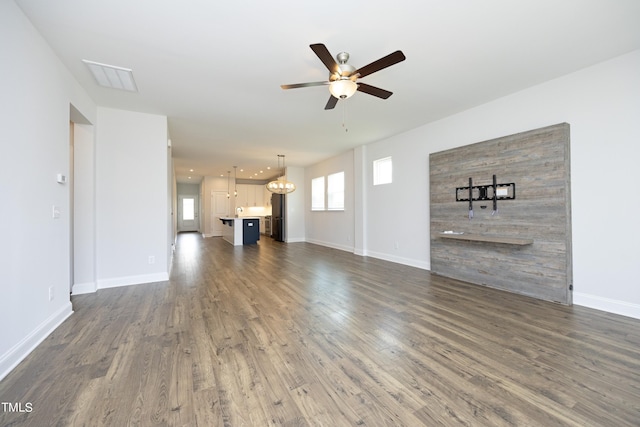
(602, 105)
(398, 213)
(172, 205)
(132, 198)
(37, 91)
(188, 189)
(360, 197)
(295, 211)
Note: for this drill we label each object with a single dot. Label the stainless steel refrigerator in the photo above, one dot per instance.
(278, 208)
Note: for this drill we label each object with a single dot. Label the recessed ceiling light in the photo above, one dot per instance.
(189, 177)
(269, 167)
(190, 170)
(111, 76)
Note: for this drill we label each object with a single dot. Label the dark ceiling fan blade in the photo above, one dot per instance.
(297, 85)
(387, 61)
(375, 91)
(326, 58)
(331, 103)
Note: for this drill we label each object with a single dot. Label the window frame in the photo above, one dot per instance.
(315, 197)
(332, 193)
(379, 175)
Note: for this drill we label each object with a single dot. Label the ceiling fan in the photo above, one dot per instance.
(343, 78)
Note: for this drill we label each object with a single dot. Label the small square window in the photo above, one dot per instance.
(382, 171)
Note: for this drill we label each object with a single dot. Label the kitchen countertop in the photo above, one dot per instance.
(226, 218)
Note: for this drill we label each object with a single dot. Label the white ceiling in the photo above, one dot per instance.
(215, 68)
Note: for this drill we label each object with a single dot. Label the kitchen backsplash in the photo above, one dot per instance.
(255, 211)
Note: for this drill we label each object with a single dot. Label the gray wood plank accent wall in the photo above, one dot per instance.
(526, 246)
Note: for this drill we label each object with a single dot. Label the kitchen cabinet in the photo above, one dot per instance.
(250, 231)
(241, 198)
(240, 231)
(267, 195)
(250, 195)
(258, 195)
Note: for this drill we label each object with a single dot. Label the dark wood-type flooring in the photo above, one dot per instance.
(302, 335)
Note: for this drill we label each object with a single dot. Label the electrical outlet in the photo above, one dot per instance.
(152, 259)
(56, 212)
(51, 293)
(396, 245)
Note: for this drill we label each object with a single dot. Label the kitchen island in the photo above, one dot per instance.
(241, 231)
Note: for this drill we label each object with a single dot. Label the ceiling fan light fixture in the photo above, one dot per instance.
(343, 88)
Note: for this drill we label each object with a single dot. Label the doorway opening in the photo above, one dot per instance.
(188, 208)
(81, 187)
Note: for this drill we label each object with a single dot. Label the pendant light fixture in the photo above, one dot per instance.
(235, 181)
(228, 187)
(281, 185)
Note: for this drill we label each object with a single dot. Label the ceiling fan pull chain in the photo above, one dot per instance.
(344, 116)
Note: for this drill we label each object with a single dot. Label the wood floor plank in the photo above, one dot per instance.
(302, 335)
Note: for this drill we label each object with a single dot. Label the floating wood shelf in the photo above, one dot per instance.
(487, 238)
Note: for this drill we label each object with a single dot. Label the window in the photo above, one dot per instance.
(188, 209)
(334, 196)
(382, 171)
(335, 192)
(317, 194)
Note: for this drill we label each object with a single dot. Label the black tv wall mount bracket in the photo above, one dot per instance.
(493, 192)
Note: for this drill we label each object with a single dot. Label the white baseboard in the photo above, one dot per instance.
(296, 240)
(607, 304)
(18, 352)
(84, 288)
(424, 265)
(132, 280)
(331, 245)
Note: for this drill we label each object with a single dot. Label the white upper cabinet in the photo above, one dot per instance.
(259, 195)
(267, 195)
(250, 195)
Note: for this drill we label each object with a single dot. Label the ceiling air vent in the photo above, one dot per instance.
(111, 76)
